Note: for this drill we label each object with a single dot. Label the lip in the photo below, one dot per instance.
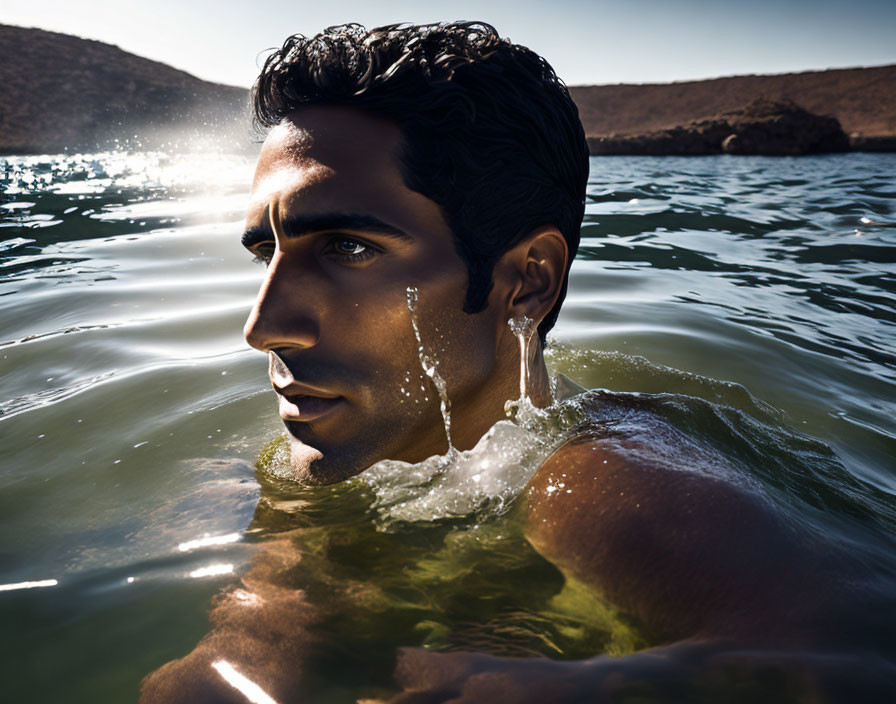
(296, 388)
(305, 408)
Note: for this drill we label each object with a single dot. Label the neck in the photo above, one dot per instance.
(471, 420)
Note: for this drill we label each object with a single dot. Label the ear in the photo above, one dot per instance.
(529, 276)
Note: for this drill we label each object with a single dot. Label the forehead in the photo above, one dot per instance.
(326, 159)
(328, 135)
(318, 145)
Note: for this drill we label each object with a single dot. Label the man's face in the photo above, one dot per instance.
(343, 238)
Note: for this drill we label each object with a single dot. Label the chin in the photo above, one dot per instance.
(313, 467)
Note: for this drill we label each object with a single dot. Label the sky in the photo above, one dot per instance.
(587, 41)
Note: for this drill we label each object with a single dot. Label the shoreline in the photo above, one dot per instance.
(639, 145)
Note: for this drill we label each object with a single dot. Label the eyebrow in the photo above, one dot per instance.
(301, 225)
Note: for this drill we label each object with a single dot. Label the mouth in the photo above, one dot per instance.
(303, 408)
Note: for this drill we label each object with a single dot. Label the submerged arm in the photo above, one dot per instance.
(260, 631)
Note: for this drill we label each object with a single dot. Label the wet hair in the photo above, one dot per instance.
(489, 131)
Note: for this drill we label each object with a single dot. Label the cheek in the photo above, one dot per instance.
(386, 347)
(381, 325)
(463, 347)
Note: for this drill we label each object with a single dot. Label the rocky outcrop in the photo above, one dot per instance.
(862, 99)
(768, 127)
(778, 127)
(65, 93)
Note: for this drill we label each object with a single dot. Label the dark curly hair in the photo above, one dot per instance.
(489, 130)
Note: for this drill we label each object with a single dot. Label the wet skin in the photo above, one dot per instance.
(704, 562)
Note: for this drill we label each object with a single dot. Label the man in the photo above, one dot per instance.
(446, 161)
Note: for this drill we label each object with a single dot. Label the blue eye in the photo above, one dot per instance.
(350, 247)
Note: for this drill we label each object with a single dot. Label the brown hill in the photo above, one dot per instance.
(862, 99)
(62, 92)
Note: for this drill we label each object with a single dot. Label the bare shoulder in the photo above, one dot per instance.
(688, 552)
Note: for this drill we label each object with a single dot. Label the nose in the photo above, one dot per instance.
(283, 316)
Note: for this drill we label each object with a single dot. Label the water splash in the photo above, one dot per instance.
(476, 483)
(523, 327)
(473, 484)
(482, 482)
(522, 411)
(430, 367)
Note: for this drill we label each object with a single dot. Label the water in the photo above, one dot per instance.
(431, 369)
(748, 302)
(523, 328)
(522, 410)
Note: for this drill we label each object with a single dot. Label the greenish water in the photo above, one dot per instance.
(748, 293)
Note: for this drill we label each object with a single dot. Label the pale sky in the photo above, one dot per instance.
(587, 41)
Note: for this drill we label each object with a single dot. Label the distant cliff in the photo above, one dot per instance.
(627, 118)
(61, 92)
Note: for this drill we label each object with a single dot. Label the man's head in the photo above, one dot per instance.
(489, 131)
(440, 158)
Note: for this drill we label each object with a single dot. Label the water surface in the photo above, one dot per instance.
(757, 290)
